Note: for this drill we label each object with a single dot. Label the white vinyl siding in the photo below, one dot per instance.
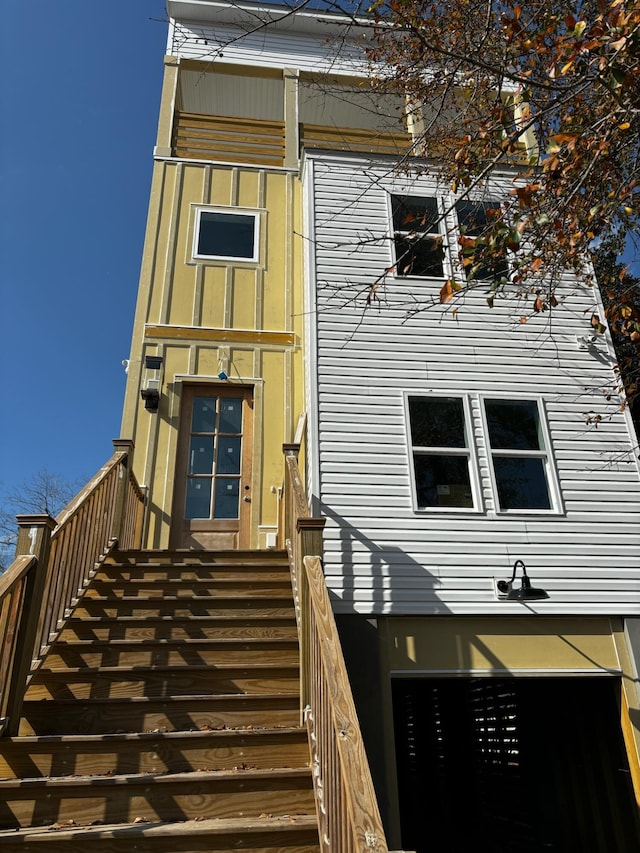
(266, 47)
(382, 555)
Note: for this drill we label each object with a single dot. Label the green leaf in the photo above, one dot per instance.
(579, 28)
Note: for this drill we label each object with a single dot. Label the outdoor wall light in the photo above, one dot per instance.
(505, 589)
(152, 382)
(223, 363)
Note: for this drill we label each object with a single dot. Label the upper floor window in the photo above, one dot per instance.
(474, 218)
(420, 237)
(441, 452)
(519, 455)
(417, 235)
(226, 235)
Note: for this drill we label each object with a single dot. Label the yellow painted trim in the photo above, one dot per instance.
(515, 645)
(630, 745)
(240, 336)
(207, 66)
(167, 106)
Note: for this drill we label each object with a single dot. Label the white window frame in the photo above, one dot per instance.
(545, 453)
(443, 234)
(470, 451)
(452, 265)
(227, 211)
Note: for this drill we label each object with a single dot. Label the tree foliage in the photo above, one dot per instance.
(44, 492)
(548, 92)
(620, 288)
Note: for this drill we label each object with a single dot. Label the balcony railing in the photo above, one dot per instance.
(353, 139)
(232, 140)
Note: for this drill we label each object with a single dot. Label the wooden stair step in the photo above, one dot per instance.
(206, 571)
(173, 796)
(85, 682)
(108, 653)
(171, 696)
(192, 574)
(172, 713)
(154, 752)
(197, 558)
(170, 627)
(234, 599)
(240, 606)
(265, 834)
(178, 589)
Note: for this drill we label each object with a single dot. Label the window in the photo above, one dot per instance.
(441, 452)
(473, 219)
(417, 235)
(226, 235)
(443, 457)
(518, 453)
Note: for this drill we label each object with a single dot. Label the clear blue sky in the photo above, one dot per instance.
(79, 104)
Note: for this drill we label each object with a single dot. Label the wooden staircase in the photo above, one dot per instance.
(166, 716)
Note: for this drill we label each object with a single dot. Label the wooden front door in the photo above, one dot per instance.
(212, 497)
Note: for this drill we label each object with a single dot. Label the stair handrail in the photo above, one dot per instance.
(348, 815)
(55, 559)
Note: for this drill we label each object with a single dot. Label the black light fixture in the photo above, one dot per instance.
(526, 591)
(223, 363)
(150, 391)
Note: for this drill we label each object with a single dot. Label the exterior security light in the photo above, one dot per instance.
(152, 382)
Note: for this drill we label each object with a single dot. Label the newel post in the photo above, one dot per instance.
(34, 537)
(121, 445)
(310, 530)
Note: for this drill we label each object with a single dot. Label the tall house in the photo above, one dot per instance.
(447, 450)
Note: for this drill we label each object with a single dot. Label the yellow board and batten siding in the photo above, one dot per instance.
(196, 313)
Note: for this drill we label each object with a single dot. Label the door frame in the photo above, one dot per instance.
(225, 529)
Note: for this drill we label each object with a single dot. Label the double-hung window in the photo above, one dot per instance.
(443, 457)
(474, 220)
(519, 455)
(441, 452)
(229, 235)
(417, 236)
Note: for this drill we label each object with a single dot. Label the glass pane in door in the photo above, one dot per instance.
(214, 464)
(198, 504)
(226, 503)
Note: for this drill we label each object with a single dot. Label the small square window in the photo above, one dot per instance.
(417, 236)
(518, 454)
(226, 235)
(440, 452)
